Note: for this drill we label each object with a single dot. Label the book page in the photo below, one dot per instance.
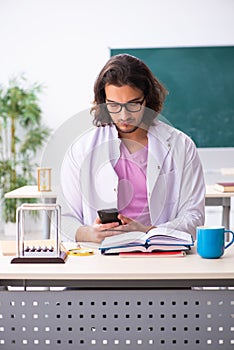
(155, 236)
(135, 237)
(127, 248)
(168, 236)
(137, 248)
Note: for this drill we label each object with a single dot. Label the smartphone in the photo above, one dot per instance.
(109, 215)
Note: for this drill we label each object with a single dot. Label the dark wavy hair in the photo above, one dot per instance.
(122, 70)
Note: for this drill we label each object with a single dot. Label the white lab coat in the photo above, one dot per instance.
(175, 183)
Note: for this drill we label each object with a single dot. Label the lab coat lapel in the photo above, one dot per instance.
(105, 176)
(158, 148)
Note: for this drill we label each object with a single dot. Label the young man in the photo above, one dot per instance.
(147, 169)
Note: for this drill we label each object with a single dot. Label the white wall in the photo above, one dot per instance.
(64, 43)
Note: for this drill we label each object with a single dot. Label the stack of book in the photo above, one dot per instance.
(156, 240)
(225, 186)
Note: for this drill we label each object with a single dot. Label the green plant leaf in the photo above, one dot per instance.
(22, 134)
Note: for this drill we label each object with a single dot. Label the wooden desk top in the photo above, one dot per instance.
(114, 268)
(29, 192)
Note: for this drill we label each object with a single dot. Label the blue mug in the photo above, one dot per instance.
(211, 241)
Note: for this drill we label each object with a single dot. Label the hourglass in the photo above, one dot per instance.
(44, 179)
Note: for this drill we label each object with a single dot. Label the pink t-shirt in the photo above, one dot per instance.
(132, 192)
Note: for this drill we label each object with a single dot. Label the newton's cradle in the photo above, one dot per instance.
(26, 253)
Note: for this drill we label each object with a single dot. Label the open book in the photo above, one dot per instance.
(155, 240)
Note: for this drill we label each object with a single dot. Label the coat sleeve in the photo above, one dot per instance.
(70, 197)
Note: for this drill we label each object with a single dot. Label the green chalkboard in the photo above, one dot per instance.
(200, 82)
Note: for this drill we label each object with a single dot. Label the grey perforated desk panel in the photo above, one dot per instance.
(119, 303)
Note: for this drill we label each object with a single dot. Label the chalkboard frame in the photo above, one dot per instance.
(200, 82)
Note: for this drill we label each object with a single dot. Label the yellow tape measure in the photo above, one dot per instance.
(80, 252)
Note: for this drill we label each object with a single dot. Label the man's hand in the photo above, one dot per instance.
(129, 225)
(101, 231)
(98, 231)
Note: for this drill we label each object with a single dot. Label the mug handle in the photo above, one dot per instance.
(232, 241)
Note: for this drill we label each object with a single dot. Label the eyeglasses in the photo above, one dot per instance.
(116, 107)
